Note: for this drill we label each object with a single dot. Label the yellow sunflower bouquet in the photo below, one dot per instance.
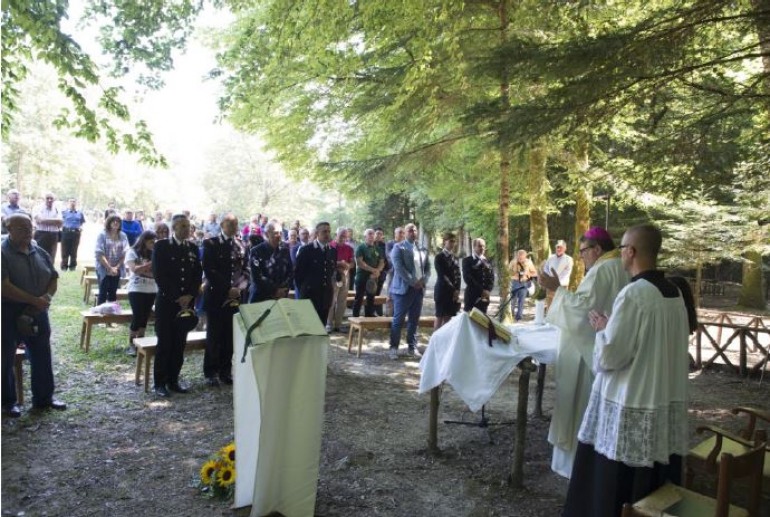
(217, 475)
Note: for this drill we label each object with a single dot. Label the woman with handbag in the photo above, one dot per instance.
(523, 274)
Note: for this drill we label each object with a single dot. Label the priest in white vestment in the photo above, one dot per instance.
(569, 311)
(634, 432)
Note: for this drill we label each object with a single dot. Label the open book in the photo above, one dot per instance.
(287, 318)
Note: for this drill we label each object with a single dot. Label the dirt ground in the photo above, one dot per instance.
(120, 452)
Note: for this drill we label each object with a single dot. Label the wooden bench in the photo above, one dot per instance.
(362, 324)
(378, 300)
(120, 296)
(145, 351)
(89, 281)
(87, 270)
(90, 319)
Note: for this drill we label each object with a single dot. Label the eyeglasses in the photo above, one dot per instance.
(581, 250)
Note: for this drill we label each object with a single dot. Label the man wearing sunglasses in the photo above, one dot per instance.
(569, 311)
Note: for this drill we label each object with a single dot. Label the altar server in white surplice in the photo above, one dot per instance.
(634, 432)
(569, 311)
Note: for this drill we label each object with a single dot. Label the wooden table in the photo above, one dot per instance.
(361, 324)
(462, 344)
(90, 319)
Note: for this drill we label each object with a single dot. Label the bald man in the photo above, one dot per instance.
(634, 432)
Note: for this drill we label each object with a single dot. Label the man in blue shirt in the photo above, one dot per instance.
(70, 237)
(131, 227)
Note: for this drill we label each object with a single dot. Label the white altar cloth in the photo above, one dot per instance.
(459, 353)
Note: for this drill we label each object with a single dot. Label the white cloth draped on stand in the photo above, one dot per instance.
(459, 353)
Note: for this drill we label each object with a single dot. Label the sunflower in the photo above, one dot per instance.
(228, 453)
(226, 475)
(208, 470)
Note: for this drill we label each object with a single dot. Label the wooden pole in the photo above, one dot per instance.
(433, 422)
(516, 478)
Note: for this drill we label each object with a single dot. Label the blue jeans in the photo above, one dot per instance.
(38, 353)
(409, 303)
(518, 294)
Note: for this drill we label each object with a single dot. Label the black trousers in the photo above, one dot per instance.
(321, 298)
(599, 486)
(360, 293)
(169, 354)
(218, 359)
(141, 308)
(70, 241)
(49, 241)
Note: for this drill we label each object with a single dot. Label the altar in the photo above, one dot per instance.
(460, 354)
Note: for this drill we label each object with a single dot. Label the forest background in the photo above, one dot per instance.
(519, 121)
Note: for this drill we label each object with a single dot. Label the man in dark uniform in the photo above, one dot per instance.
(314, 274)
(479, 278)
(70, 237)
(224, 263)
(178, 273)
(446, 293)
(272, 272)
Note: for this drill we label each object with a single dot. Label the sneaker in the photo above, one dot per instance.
(328, 329)
(413, 352)
(131, 350)
(393, 354)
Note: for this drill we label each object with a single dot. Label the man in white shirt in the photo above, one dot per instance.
(634, 432)
(559, 264)
(48, 223)
(569, 311)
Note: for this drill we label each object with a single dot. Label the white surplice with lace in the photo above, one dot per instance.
(569, 311)
(637, 411)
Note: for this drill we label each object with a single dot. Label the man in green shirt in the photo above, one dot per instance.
(369, 264)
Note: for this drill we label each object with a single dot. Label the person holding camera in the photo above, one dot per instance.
(29, 283)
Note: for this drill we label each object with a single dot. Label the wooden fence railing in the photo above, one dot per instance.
(725, 331)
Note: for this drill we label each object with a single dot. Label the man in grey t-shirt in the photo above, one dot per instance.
(29, 282)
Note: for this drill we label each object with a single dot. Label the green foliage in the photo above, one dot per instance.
(138, 32)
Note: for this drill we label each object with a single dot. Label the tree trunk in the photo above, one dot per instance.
(582, 223)
(504, 201)
(538, 207)
(762, 23)
(752, 294)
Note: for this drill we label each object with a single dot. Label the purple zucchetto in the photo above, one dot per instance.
(597, 233)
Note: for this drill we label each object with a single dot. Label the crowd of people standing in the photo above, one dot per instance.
(622, 359)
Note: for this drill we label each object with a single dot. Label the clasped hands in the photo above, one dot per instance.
(598, 320)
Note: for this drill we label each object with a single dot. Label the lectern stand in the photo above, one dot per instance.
(278, 399)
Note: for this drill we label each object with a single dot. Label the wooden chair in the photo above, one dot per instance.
(674, 500)
(705, 456)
